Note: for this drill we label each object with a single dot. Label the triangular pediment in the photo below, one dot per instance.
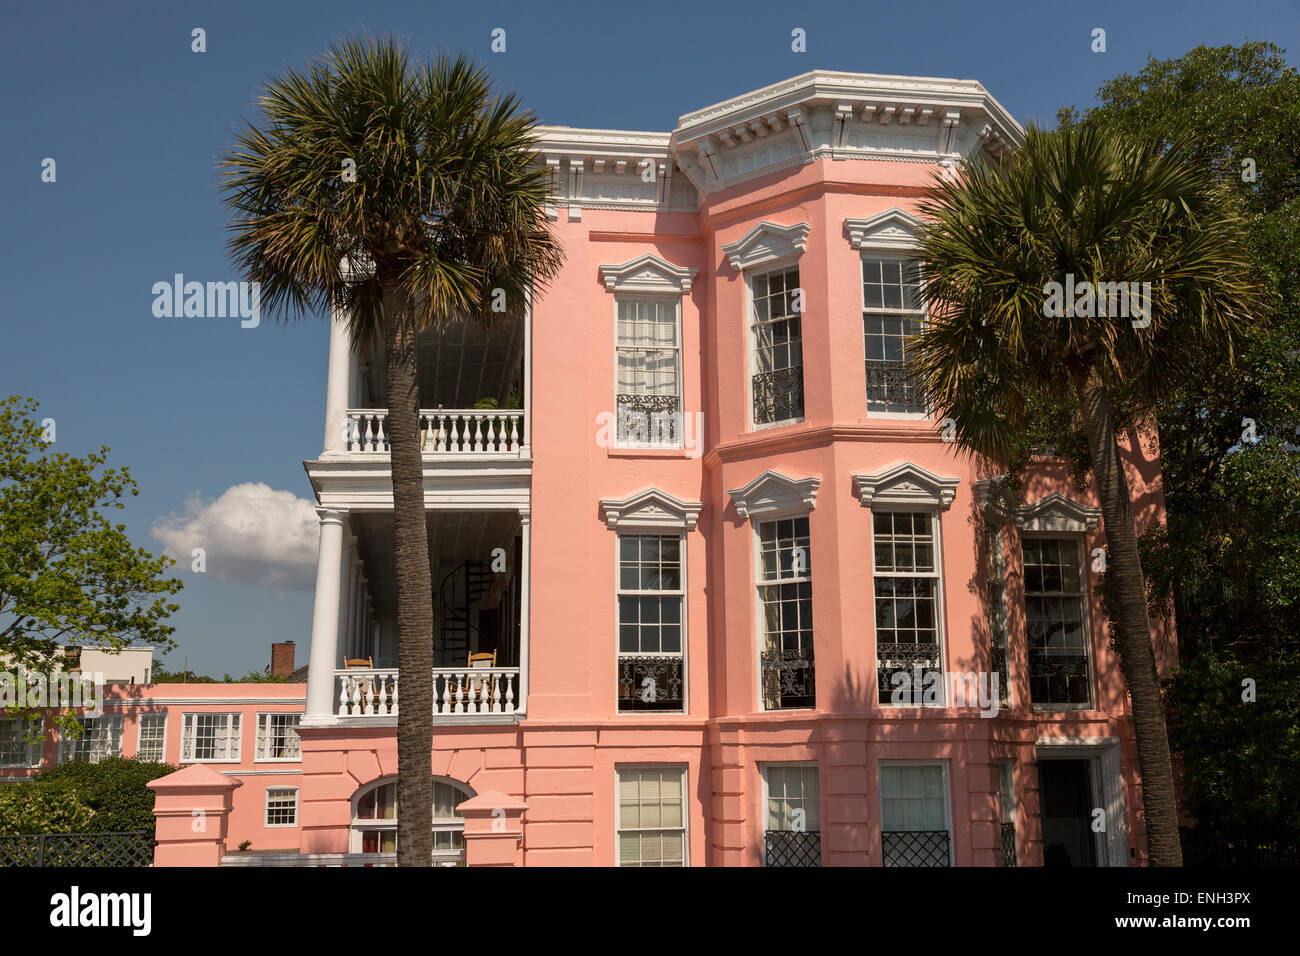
(772, 493)
(650, 509)
(1058, 513)
(767, 243)
(894, 229)
(647, 273)
(906, 483)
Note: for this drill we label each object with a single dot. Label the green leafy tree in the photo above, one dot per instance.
(427, 184)
(68, 575)
(113, 788)
(1103, 207)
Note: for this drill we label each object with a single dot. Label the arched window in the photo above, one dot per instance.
(374, 820)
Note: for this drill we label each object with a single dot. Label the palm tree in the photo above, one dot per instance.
(1105, 209)
(426, 183)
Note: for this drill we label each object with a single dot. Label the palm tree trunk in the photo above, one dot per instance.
(414, 586)
(1137, 656)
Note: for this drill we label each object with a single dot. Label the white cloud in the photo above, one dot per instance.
(252, 534)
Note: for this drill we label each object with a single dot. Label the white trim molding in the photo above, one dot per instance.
(905, 484)
(894, 230)
(650, 510)
(767, 243)
(1057, 513)
(648, 273)
(772, 494)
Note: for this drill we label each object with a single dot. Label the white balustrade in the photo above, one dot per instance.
(442, 431)
(373, 692)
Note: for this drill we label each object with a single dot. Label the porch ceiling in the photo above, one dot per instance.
(460, 364)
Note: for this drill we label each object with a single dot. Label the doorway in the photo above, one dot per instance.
(1067, 792)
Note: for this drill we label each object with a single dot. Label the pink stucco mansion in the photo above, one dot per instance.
(692, 530)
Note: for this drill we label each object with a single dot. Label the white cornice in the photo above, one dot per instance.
(650, 509)
(772, 494)
(647, 273)
(767, 242)
(1057, 513)
(893, 230)
(905, 484)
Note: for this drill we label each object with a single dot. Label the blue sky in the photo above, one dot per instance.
(135, 122)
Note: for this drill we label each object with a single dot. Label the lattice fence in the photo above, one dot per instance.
(793, 848)
(916, 848)
(130, 848)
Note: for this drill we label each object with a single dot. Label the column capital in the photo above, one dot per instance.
(331, 515)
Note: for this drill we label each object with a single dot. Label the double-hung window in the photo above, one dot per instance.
(907, 593)
(100, 737)
(652, 816)
(649, 347)
(914, 814)
(785, 601)
(651, 602)
(19, 743)
(277, 736)
(1055, 627)
(210, 737)
(151, 737)
(282, 806)
(892, 314)
(792, 815)
(777, 334)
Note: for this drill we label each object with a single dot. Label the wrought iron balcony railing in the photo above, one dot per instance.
(795, 848)
(904, 658)
(890, 389)
(915, 848)
(1008, 844)
(649, 420)
(998, 665)
(789, 679)
(778, 395)
(1059, 679)
(650, 682)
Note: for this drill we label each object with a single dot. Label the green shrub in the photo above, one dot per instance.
(114, 789)
(31, 807)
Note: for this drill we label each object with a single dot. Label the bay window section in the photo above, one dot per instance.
(777, 374)
(914, 815)
(785, 599)
(649, 397)
(792, 816)
(892, 314)
(906, 580)
(651, 602)
(1055, 632)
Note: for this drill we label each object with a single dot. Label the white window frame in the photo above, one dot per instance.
(35, 751)
(947, 800)
(751, 337)
(760, 615)
(619, 769)
(357, 825)
(1085, 612)
(266, 816)
(263, 738)
(189, 722)
(935, 513)
(1106, 781)
(140, 739)
(76, 748)
(764, 808)
(655, 297)
(919, 314)
(663, 532)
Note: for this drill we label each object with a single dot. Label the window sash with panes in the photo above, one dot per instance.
(785, 596)
(914, 815)
(792, 822)
(281, 806)
(1056, 633)
(100, 737)
(651, 601)
(906, 578)
(777, 329)
(651, 816)
(16, 750)
(277, 737)
(374, 824)
(891, 313)
(212, 737)
(151, 738)
(649, 372)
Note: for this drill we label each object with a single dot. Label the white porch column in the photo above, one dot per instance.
(325, 617)
(525, 574)
(338, 388)
(527, 447)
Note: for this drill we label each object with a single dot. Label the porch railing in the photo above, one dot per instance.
(374, 692)
(443, 431)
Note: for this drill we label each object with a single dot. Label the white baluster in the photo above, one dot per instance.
(383, 442)
(368, 439)
(428, 435)
(496, 695)
(478, 432)
(343, 696)
(442, 436)
(354, 433)
(510, 694)
(514, 433)
(392, 710)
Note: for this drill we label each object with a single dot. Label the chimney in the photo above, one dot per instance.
(282, 659)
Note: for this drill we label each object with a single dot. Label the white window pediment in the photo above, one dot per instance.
(905, 484)
(772, 494)
(767, 243)
(648, 273)
(893, 229)
(995, 499)
(1057, 513)
(650, 510)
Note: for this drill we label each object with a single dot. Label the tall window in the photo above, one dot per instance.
(651, 599)
(374, 821)
(778, 347)
(1007, 812)
(891, 313)
(792, 819)
(17, 746)
(1054, 622)
(210, 737)
(652, 816)
(282, 806)
(914, 815)
(100, 737)
(907, 605)
(785, 595)
(649, 371)
(151, 737)
(277, 736)
(996, 600)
